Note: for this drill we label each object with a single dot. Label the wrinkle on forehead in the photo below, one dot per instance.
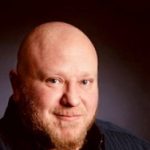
(52, 40)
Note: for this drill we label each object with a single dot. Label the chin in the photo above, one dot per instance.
(67, 135)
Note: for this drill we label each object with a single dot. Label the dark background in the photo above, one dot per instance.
(120, 30)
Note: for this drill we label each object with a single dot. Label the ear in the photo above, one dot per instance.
(14, 79)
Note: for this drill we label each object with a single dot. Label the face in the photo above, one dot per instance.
(61, 93)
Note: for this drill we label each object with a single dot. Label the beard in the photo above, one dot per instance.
(57, 135)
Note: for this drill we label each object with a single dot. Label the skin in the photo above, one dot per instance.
(55, 83)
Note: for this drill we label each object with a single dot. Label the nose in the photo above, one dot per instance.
(70, 96)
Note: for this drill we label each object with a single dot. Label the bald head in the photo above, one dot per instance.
(53, 40)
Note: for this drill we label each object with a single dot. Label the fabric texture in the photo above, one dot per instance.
(117, 138)
(102, 136)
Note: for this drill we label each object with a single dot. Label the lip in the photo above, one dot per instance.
(68, 117)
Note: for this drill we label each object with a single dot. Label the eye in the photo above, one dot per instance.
(54, 81)
(85, 82)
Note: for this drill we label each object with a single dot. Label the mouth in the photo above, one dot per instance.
(68, 117)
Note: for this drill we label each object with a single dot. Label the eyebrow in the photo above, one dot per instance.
(42, 75)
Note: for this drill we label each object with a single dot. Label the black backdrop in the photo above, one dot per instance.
(120, 32)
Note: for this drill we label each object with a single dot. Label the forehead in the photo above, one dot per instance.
(66, 49)
(66, 60)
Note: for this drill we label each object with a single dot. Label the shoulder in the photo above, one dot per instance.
(3, 146)
(117, 138)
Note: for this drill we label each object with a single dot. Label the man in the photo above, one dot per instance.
(55, 96)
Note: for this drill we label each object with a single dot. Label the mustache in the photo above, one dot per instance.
(69, 111)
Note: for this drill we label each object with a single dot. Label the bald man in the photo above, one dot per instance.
(55, 96)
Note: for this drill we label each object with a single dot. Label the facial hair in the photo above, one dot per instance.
(51, 130)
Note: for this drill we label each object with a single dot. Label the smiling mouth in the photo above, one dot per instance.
(68, 117)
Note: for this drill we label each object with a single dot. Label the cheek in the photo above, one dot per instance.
(91, 102)
(45, 97)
